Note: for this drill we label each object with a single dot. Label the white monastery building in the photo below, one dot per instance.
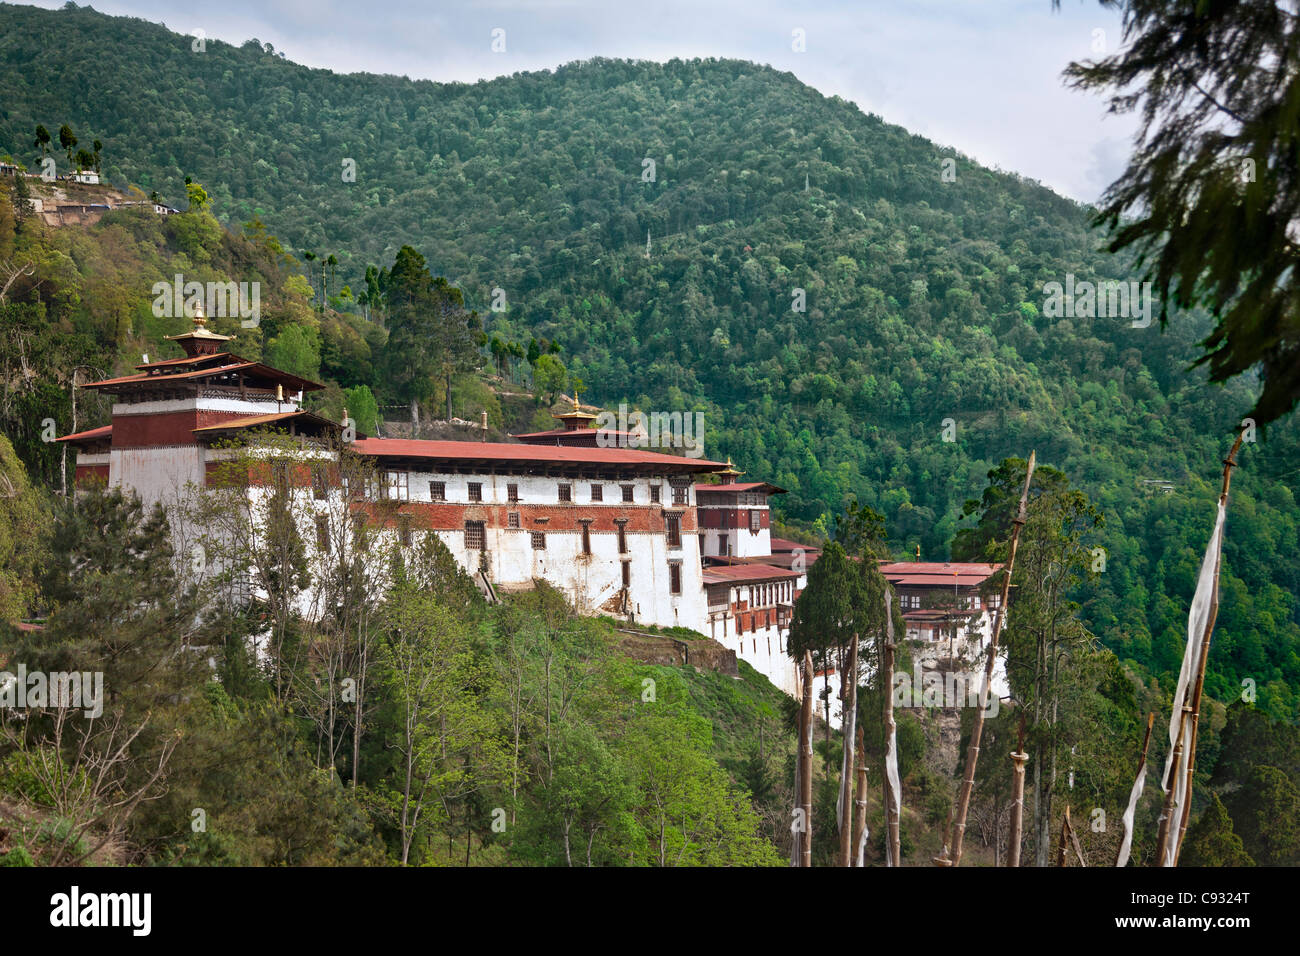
(621, 531)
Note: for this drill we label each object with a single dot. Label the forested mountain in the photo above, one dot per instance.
(924, 293)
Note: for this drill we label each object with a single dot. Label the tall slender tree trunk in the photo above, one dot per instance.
(805, 760)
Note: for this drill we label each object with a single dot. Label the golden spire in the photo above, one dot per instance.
(200, 340)
(730, 473)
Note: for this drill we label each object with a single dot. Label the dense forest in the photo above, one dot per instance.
(855, 324)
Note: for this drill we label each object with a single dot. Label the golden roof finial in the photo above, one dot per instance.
(576, 406)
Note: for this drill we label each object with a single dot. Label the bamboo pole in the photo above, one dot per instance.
(848, 724)
(893, 800)
(1074, 838)
(1142, 762)
(805, 759)
(860, 804)
(1018, 760)
(1169, 829)
(1171, 790)
(796, 831)
(973, 750)
(1228, 464)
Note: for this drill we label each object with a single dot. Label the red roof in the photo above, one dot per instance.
(785, 544)
(191, 360)
(742, 573)
(742, 486)
(256, 421)
(585, 437)
(500, 452)
(103, 431)
(938, 573)
(158, 373)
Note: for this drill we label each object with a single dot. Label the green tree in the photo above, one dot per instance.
(362, 408)
(297, 350)
(24, 530)
(1266, 815)
(1208, 196)
(549, 378)
(1211, 842)
(67, 141)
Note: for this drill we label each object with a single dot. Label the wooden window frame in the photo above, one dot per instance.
(673, 528)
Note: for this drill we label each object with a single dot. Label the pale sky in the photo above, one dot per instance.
(983, 76)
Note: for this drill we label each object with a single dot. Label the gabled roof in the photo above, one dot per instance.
(219, 358)
(762, 486)
(260, 421)
(466, 453)
(785, 544)
(744, 573)
(938, 573)
(175, 370)
(94, 434)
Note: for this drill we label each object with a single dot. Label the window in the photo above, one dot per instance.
(679, 494)
(586, 537)
(702, 537)
(319, 483)
(597, 492)
(627, 494)
(404, 530)
(675, 577)
(395, 485)
(674, 530)
(437, 491)
(654, 494)
(512, 519)
(512, 493)
(755, 521)
(476, 491)
(360, 540)
(323, 533)
(539, 540)
(627, 574)
(474, 535)
(622, 537)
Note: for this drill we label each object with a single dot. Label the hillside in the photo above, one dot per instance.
(924, 298)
